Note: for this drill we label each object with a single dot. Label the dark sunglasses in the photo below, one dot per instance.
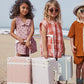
(53, 10)
(82, 10)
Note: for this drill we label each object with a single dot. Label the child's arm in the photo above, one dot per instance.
(13, 26)
(44, 43)
(30, 35)
(73, 48)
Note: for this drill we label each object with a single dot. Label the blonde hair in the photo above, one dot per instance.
(56, 4)
(78, 12)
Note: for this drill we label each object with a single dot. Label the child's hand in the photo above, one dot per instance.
(22, 41)
(45, 54)
(73, 48)
(28, 44)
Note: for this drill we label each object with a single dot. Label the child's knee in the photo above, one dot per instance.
(83, 66)
(79, 66)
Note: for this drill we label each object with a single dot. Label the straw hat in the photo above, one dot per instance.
(81, 4)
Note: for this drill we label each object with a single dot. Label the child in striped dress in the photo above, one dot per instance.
(51, 32)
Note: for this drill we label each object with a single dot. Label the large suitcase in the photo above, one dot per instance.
(65, 68)
(18, 70)
(44, 71)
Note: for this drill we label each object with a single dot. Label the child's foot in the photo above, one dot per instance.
(79, 81)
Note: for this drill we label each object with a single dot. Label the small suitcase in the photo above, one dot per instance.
(18, 70)
(65, 68)
(44, 71)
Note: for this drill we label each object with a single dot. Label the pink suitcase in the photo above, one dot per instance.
(18, 70)
(44, 71)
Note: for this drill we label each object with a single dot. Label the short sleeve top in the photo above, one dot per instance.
(76, 31)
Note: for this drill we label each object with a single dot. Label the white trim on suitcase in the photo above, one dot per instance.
(18, 63)
(40, 65)
(16, 83)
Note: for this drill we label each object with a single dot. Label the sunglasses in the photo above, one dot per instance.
(53, 10)
(82, 10)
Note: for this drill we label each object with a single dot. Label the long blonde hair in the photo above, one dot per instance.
(56, 4)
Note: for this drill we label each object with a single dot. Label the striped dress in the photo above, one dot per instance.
(54, 29)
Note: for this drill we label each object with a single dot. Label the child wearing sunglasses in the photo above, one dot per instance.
(51, 26)
(76, 35)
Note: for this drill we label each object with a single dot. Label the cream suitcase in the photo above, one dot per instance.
(18, 70)
(44, 71)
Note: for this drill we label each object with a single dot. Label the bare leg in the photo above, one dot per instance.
(83, 70)
(78, 71)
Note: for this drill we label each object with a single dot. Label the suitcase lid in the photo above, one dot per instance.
(19, 59)
(68, 57)
(42, 60)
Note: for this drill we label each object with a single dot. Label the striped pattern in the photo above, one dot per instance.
(53, 28)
